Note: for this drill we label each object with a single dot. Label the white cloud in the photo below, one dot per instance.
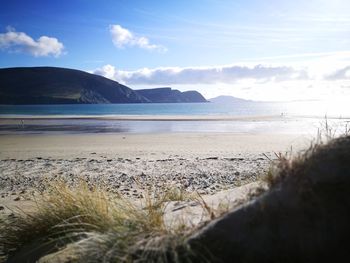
(122, 37)
(14, 41)
(202, 75)
(107, 71)
(289, 81)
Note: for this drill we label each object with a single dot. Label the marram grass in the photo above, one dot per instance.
(84, 224)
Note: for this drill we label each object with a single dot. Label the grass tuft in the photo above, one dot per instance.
(88, 223)
(328, 137)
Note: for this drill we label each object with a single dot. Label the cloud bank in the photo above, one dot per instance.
(202, 75)
(122, 37)
(318, 79)
(13, 41)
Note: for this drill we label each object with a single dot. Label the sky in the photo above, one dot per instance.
(252, 49)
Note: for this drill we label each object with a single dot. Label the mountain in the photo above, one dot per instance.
(50, 85)
(227, 100)
(168, 95)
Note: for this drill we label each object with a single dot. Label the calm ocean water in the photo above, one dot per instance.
(305, 108)
(297, 117)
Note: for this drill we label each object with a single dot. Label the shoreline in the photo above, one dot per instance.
(154, 117)
(158, 124)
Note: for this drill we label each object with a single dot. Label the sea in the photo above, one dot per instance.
(294, 117)
(291, 108)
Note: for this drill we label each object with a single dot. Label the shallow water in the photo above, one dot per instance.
(289, 117)
(281, 125)
(304, 108)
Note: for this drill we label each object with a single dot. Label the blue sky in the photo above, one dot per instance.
(252, 49)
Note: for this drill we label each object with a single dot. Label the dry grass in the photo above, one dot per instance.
(290, 163)
(95, 224)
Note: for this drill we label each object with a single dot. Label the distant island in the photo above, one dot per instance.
(52, 85)
(227, 99)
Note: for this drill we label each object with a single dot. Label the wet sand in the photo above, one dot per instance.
(166, 145)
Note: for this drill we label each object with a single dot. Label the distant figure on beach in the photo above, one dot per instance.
(22, 124)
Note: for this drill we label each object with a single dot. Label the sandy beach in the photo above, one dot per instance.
(145, 145)
(206, 163)
(37, 150)
(218, 166)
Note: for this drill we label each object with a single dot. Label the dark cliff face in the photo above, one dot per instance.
(193, 96)
(49, 85)
(167, 95)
